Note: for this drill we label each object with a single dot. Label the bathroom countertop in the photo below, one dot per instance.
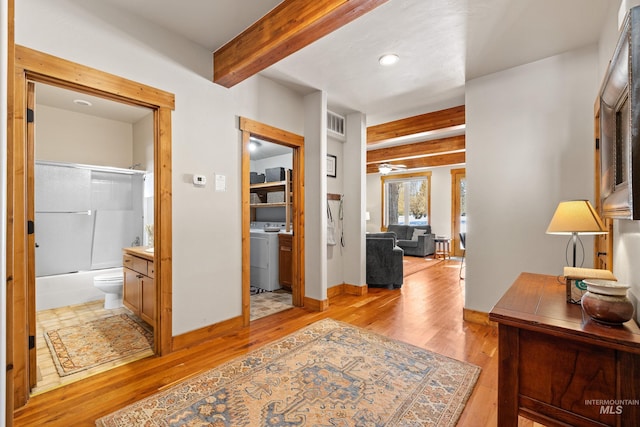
(139, 251)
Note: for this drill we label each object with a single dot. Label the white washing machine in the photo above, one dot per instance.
(264, 259)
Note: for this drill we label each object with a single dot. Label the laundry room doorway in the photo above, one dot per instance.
(272, 217)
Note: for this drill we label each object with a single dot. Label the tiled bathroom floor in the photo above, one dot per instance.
(48, 377)
(262, 305)
(268, 303)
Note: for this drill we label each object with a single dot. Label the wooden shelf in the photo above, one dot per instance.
(269, 205)
(269, 187)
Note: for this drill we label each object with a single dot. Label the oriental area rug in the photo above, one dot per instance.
(327, 374)
(80, 347)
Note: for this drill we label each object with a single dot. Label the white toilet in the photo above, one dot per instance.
(111, 285)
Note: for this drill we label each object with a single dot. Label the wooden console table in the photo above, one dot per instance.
(560, 368)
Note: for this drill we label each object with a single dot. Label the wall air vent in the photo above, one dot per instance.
(335, 125)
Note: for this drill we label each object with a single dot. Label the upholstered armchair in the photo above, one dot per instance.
(415, 240)
(384, 261)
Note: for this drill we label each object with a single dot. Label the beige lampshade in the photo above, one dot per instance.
(576, 216)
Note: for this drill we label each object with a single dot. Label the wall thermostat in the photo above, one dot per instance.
(199, 180)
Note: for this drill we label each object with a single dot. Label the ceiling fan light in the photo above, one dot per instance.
(384, 169)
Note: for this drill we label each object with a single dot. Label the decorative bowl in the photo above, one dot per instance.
(606, 287)
(607, 309)
(606, 301)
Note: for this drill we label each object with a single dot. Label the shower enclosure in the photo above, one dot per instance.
(84, 216)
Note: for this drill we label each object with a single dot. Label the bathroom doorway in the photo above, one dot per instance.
(33, 67)
(293, 196)
(93, 189)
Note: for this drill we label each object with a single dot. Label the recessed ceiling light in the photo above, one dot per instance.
(82, 102)
(388, 59)
(254, 145)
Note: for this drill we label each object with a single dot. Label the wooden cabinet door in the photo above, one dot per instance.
(131, 293)
(148, 307)
(284, 264)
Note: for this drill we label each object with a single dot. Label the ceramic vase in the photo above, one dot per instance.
(606, 302)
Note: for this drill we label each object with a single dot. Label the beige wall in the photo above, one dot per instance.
(143, 143)
(65, 136)
(207, 244)
(529, 140)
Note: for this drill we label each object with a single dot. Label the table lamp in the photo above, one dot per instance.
(576, 217)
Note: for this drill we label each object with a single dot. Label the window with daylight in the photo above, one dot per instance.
(406, 198)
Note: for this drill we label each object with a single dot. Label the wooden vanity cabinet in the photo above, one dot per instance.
(139, 294)
(132, 295)
(285, 272)
(148, 303)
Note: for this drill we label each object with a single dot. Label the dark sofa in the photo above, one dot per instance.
(384, 261)
(422, 245)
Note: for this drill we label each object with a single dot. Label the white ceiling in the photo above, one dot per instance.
(57, 97)
(441, 43)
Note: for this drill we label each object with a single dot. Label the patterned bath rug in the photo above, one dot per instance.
(80, 347)
(327, 374)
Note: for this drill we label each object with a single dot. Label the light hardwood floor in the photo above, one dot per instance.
(426, 312)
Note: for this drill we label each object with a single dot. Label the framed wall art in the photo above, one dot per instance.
(332, 164)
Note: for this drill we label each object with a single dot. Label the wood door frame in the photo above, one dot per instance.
(8, 302)
(602, 243)
(31, 242)
(296, 142)
(456, 175)
(31, 65)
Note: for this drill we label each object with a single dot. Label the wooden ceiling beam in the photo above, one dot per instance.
(422, 123)
(419, 149)
(426, 162)
(292, 25)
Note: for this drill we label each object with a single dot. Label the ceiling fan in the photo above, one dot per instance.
(385, 168)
